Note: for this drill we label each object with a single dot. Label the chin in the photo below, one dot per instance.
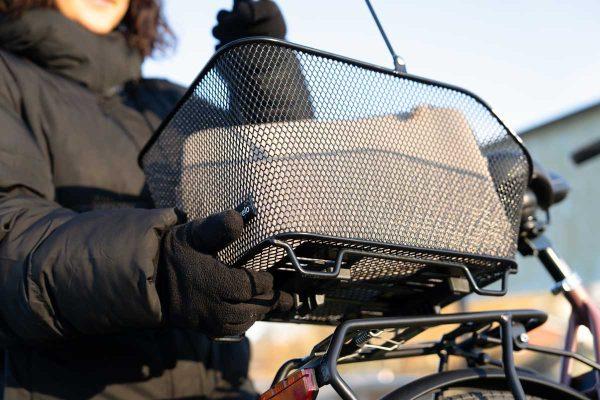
(98, 28)
(100, 24)
(98, 16)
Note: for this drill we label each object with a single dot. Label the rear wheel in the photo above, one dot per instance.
(485, 395)
(482, 384)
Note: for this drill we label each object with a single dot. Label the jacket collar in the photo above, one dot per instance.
(100, 62)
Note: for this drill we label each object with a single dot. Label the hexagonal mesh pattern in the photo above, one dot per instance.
(332, 147)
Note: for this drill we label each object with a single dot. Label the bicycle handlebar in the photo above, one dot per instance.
(586, 152)
(549, 187)
(545, 190)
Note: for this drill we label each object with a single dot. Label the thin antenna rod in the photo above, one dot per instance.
(399, 64)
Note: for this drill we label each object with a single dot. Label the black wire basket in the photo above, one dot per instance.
(377, 193)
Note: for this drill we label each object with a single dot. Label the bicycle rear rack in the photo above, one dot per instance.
(326, 355)
(504, 318)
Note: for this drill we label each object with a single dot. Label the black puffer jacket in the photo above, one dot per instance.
(79, 313)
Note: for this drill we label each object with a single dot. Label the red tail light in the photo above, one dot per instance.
(301, 385)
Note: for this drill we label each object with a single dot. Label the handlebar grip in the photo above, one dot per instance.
(549, 187)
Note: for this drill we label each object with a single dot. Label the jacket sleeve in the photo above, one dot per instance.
(62, 273)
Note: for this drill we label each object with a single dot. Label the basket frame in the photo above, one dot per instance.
(451, 269)
(454, 268)
(331, 56)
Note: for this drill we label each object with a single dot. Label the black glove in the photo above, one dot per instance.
(249, 18)
(199, 292)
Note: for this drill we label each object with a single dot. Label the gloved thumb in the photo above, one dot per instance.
(215, 232)
(265, 9)
(244, 10)
(282, 305)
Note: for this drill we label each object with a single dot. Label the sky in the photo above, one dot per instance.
(531, 60)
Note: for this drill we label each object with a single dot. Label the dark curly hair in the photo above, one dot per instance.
(144, 25)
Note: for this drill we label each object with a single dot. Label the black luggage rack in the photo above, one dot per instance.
(471, 336)
(378, 193)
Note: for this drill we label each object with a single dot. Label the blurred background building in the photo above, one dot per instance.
(576, 221)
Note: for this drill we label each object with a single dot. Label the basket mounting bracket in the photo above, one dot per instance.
(455, 270)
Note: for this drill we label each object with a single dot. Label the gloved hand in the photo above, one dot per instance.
(249, 18)
(199, 292)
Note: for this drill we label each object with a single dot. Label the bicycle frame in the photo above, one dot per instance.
(584, 313)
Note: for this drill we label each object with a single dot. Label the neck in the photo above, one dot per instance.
(62, 46)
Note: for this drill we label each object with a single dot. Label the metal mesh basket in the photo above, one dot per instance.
(376, 192)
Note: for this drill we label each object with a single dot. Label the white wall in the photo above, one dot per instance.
(575, 228)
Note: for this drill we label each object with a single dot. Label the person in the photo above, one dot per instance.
(101, 295)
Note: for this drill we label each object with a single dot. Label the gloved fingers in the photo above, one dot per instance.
(254, 310)
(267, 19)
(219, 34)
(284, 302)
(238, 318)
(242, 285)
(221, 327)
(234, 20)
(249, 31)
(215, 232)
(235, 329)
(229, 30)
(249, 18)
(262, 29)
(242, 313)
(274, 303)
(264, 10)
(244, 11)
(223, 16)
